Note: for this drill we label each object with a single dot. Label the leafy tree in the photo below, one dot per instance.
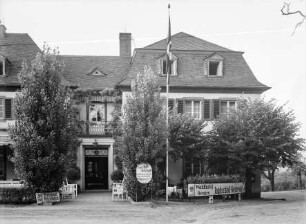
(298, 168)
(187, 138)
(46, 129)
(141, 137)
(258, 135)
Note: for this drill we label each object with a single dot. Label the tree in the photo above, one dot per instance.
(286, 11)
(46, 129)
(298, 168)
(258, 135)
(186, 137)
(142, 136)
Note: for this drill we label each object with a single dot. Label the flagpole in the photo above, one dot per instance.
(167, 112)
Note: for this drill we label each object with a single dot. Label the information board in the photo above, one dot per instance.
(197, 190)
(144, 173)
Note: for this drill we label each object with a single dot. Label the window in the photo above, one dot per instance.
(2, 171)
(162, 65)
(6, 110)
(227, 106)
(193, 108)
(194, 166)
(213, 65)
(96, 112)
(96, 73)
(1, 67)
(165, 67)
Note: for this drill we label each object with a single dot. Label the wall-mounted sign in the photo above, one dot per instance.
(96, 152)
(144, 173)
(196, 190)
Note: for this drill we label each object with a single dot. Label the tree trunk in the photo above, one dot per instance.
(299, 180)
(271, 174)
(248, 183)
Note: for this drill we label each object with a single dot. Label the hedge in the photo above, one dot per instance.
(17, 195)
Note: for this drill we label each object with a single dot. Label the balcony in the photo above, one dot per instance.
(103, 129)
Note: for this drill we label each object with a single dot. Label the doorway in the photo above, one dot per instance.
(96, 172)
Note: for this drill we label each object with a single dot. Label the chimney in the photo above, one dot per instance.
(125, 44)
(2, 30)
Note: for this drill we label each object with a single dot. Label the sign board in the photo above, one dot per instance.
(117, 188)
(144, 173)
(197, 190)
(47, 197)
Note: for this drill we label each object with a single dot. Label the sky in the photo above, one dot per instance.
(256, 27)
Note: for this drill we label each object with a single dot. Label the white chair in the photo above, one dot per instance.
(69, 191)
(118, 192)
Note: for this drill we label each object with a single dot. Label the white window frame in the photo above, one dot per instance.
(192, 113)
(228, 101)
(174, 64)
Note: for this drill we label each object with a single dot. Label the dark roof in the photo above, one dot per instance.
(78, 70)
(16, 47)
(237, 73)
(184, 41)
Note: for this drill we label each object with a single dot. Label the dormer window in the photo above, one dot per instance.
(165, 67)
(97, 72)
(162, 65)
(213, 65)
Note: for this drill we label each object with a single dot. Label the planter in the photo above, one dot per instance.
(47, 198)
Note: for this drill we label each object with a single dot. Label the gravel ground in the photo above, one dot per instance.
(274, 207)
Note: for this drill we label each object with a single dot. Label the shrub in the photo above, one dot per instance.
(17, 195)
(117, 176)
(73, 174)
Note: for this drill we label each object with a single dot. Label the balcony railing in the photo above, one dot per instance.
(98, 129)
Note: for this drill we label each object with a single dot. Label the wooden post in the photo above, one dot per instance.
(211, 199)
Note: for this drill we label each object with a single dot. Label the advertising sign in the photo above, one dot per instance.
(197, 190)
(144, 173)
(48, 197)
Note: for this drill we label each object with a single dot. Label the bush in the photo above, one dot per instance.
(117, 176)
(212, 179)
(17, 195)
(73, 174)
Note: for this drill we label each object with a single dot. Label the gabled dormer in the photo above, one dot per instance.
(4, 66)
(162, 65)
(213, 65)
(97, 72)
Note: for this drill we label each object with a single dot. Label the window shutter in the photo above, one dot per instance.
(220, 69)
(171, 104)
(159, 66)
(205, 67)
(206, 109)
(8, 108)
(175, 67)
(180, 106)
(216, 109)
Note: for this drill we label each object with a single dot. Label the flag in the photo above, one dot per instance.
(168, 61)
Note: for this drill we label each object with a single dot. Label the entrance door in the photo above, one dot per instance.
(96, 173)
